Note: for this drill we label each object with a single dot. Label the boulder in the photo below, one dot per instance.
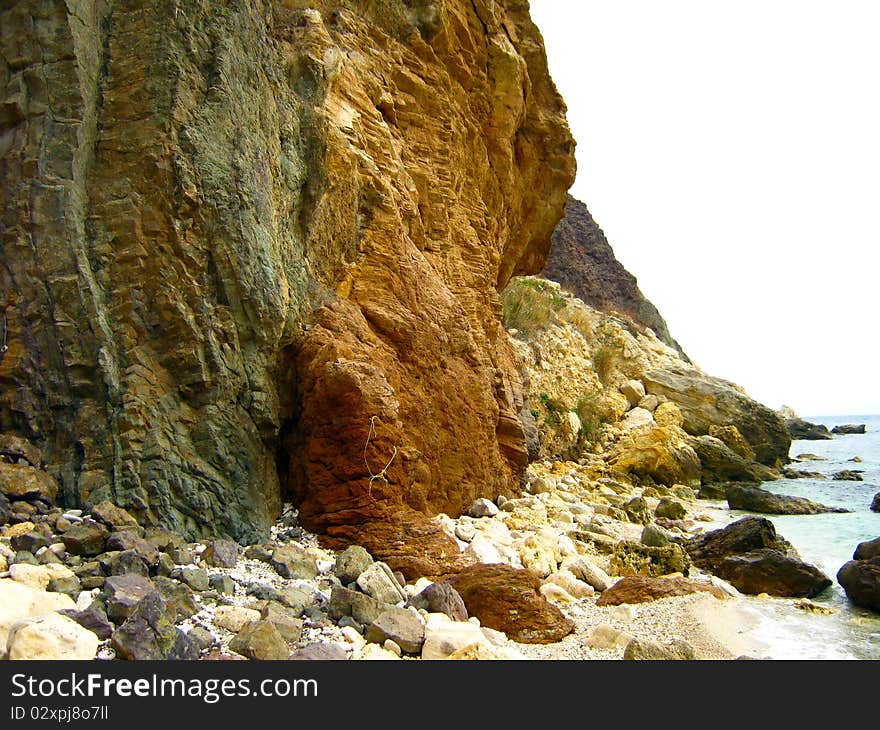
(770, 571)
(801, 474)
(292, 561)
(195, 578)
(351, 562)
(586, 571)
(86, 539)
(633, 390)
(400, 625)
(93, 617)
(875, 503)
(178, 598)
(20, 481)
(440, 598)
(18, 602)
(632, 558)
(443, 637)
(867, 550)
(668, 414)
(849, 428)
(362, 608)
(148, 634)
(637, 418)
(720, 463)
(40, 576)
(755, 499)
(220, 553)
(319, 651)
(114, 517)
(670, 509)
(130, 540)
(233, 618)
(707, 551)
(260, 640)
(660, 454)
(4, 509)
(803, 430)
(52, 636)
(483, 508)
(16, 448)
(509, 600)
(848, 475)
(123, 594)
(705, 401)
(647, 650)
(574, 587)
(605, 636)
(637, 511)
(379, 582)
(284, 619)
(861, 581)
(650, 402)
(733, 439)
(643, 589)
(654, 536)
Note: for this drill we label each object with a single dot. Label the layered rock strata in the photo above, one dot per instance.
(260, 238)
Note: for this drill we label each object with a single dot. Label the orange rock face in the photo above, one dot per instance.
(254, 249)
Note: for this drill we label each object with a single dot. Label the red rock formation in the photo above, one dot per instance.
(237, 236)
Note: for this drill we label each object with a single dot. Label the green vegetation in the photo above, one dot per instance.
(589, 410)
(603, 362)
(530, 305)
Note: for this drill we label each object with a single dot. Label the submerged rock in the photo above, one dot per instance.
(849, 428)
(860, 577)
(755, 499)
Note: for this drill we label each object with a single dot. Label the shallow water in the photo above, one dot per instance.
(827, 541)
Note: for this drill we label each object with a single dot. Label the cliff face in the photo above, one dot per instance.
(582, 260)
(253, 239)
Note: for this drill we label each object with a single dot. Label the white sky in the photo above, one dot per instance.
(731, 153)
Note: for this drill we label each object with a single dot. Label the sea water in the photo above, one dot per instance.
(827, 541)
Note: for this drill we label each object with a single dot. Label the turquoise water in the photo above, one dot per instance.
(827, 541)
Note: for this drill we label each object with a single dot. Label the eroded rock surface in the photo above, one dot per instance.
(250, 234)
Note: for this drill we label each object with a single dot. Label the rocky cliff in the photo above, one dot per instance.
(255, 248)
(582, 260)
(599, 383)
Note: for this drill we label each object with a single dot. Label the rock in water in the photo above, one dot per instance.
(745, 535)
(848, 475)
(509, 599)
(875, 503)
(849, 428)
(755, 499)
(770, 571)
(860, 577)
(867, 550)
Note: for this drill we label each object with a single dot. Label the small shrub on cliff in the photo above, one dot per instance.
(589, 411)
(603, 363)
(529, 306)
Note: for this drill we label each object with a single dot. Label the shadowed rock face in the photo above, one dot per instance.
(582, 260)
(237, 236)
